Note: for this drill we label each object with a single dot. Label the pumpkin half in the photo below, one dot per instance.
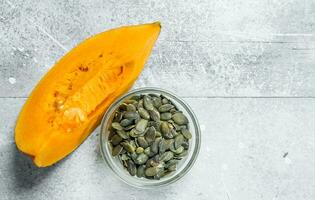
(70, 100)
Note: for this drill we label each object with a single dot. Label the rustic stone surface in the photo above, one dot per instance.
(245, 67)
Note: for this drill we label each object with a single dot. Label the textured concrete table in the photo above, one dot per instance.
(247, 68)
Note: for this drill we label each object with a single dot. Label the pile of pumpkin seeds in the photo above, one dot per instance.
(149, 135)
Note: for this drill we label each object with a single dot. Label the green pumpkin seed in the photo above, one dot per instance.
(179, 139)
(176, 126)
(133, 156)
(128, 128)
(151, 123)
(131, 107)
(141, 125)
(186, 133)
(129, 147)
(172, 148)
(169, 135)
(182, 127)
(162, 146)
(170, 162)
(155, 115)
(144, 113)
(183, 154)
(140, 171)
(157, 162)
(165, 107)
(141, 159)
(132, 169)
(117, 126)
(179, 150)
(122, 134)
(150, 135)
(130, 101)
(156, 158)
(172, 168)
(165, 145)
(185, 144)
(155, 124)
(134, 133)
(180, 118)
(165, 128)
(147, 103)
(140, 104)
(151, 171)
(166, 116)
(149, 162)
(155, 145)
(169, 143)
(116, 150)
(126, 122)
(139, 150)
(164, 101)
(135, 97)
(157, 102)
(173, 111)
(132, 115)
(159, 175)
(142, 142)
(147, 151)
(168, 155)
(116, 139)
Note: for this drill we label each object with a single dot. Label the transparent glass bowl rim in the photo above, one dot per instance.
(195, 123)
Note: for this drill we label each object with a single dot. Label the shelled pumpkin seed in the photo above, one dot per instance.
(149, 135)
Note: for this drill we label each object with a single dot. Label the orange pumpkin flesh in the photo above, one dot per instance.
(70, 100)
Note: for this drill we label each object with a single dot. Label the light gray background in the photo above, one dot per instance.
(247, 68)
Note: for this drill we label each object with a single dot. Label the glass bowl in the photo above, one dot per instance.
(183, 166)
